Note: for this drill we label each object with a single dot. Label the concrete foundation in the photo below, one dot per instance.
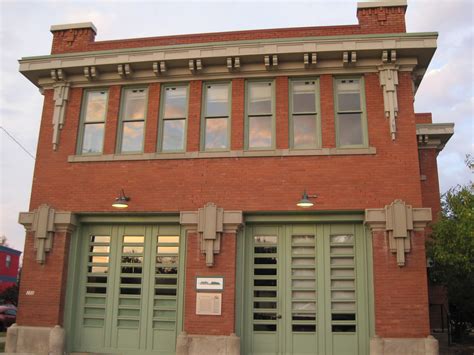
(207, 344)
(405, 346)
(35, 340)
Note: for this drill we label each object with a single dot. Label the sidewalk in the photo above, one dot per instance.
(466, 348)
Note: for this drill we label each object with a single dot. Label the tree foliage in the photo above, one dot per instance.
(10, 295)
(452, 248)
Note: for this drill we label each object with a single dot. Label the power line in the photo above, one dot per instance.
(21, 146)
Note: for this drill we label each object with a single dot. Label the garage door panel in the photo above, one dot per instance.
(129, 289)
(305, 289)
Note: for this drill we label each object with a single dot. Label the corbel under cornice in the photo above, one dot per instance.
(211, 222)
(398, 221)
(44, 222)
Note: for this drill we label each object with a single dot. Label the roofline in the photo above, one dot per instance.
(11, 250)
(254, 41)
(73, 26)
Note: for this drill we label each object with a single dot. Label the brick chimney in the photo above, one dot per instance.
(73, 37)
(386, 16)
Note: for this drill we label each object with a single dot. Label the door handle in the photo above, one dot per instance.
(279, 316)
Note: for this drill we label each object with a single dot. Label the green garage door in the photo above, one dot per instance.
(306, 290)
(127, 289)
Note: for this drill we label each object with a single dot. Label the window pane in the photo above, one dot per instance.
(175, 102)
(132, 137)
(348, 95)
(217, 99)
(304, 96)
(93, 138)
(173, 135)
(304, 131)
(260, 132)
(216, 133)
(134, 104)
(350, 129)
(260, 98)
(349, 102)
(96, 106)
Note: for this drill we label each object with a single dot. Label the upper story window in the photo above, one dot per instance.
(260, 122)
(174, 115)
(94, 112)
(304, 117)
(351, 124)
(216, 122)
(132, 120)
(8, 261)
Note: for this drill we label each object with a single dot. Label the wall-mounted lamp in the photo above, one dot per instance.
(305, 201)
(121, 201)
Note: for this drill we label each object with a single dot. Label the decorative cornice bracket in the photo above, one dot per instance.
(349, 58)
(91, 73)
(270, 61)
(44, 222)
(233, 63)
(398, 220)
(124, 70)
(310, 59)
(60, 97)
(159, 68)
(195, 65)
(211, 222)
(388, 75)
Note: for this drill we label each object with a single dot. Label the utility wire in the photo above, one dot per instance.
(13, 138)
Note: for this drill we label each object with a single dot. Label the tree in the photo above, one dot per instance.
(4, 241)
(452, 250)
(10, 295)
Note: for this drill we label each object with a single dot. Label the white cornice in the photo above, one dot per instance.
(73, 26)
(385, 3)
(434, 135)
(290, 52)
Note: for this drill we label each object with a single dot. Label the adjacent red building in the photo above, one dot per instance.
(9, 266)
(249, 192)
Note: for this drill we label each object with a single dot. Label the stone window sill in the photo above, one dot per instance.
(229, 154)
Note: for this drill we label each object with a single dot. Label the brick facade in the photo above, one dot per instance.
(344, 182)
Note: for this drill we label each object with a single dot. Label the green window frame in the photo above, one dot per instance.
(215, 118)
(93, 122)
(304, 117)
(170, 121)
(351, 119)
(130, 122)
(253, 114)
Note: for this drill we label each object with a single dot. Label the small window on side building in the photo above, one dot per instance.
(8, 261)
(132, 120)
(93, 115)
(351, 124)
(174, 118)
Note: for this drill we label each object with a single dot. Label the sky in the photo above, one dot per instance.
(446, 90)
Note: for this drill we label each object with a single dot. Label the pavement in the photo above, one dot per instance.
(466, 348)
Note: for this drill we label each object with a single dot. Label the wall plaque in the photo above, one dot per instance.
(209, 304)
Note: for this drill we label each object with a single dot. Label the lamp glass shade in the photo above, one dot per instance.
(120, 204)
(305, 203)
(121, 201)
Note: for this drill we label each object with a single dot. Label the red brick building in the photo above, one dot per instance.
(9, 266)
(274, 185)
